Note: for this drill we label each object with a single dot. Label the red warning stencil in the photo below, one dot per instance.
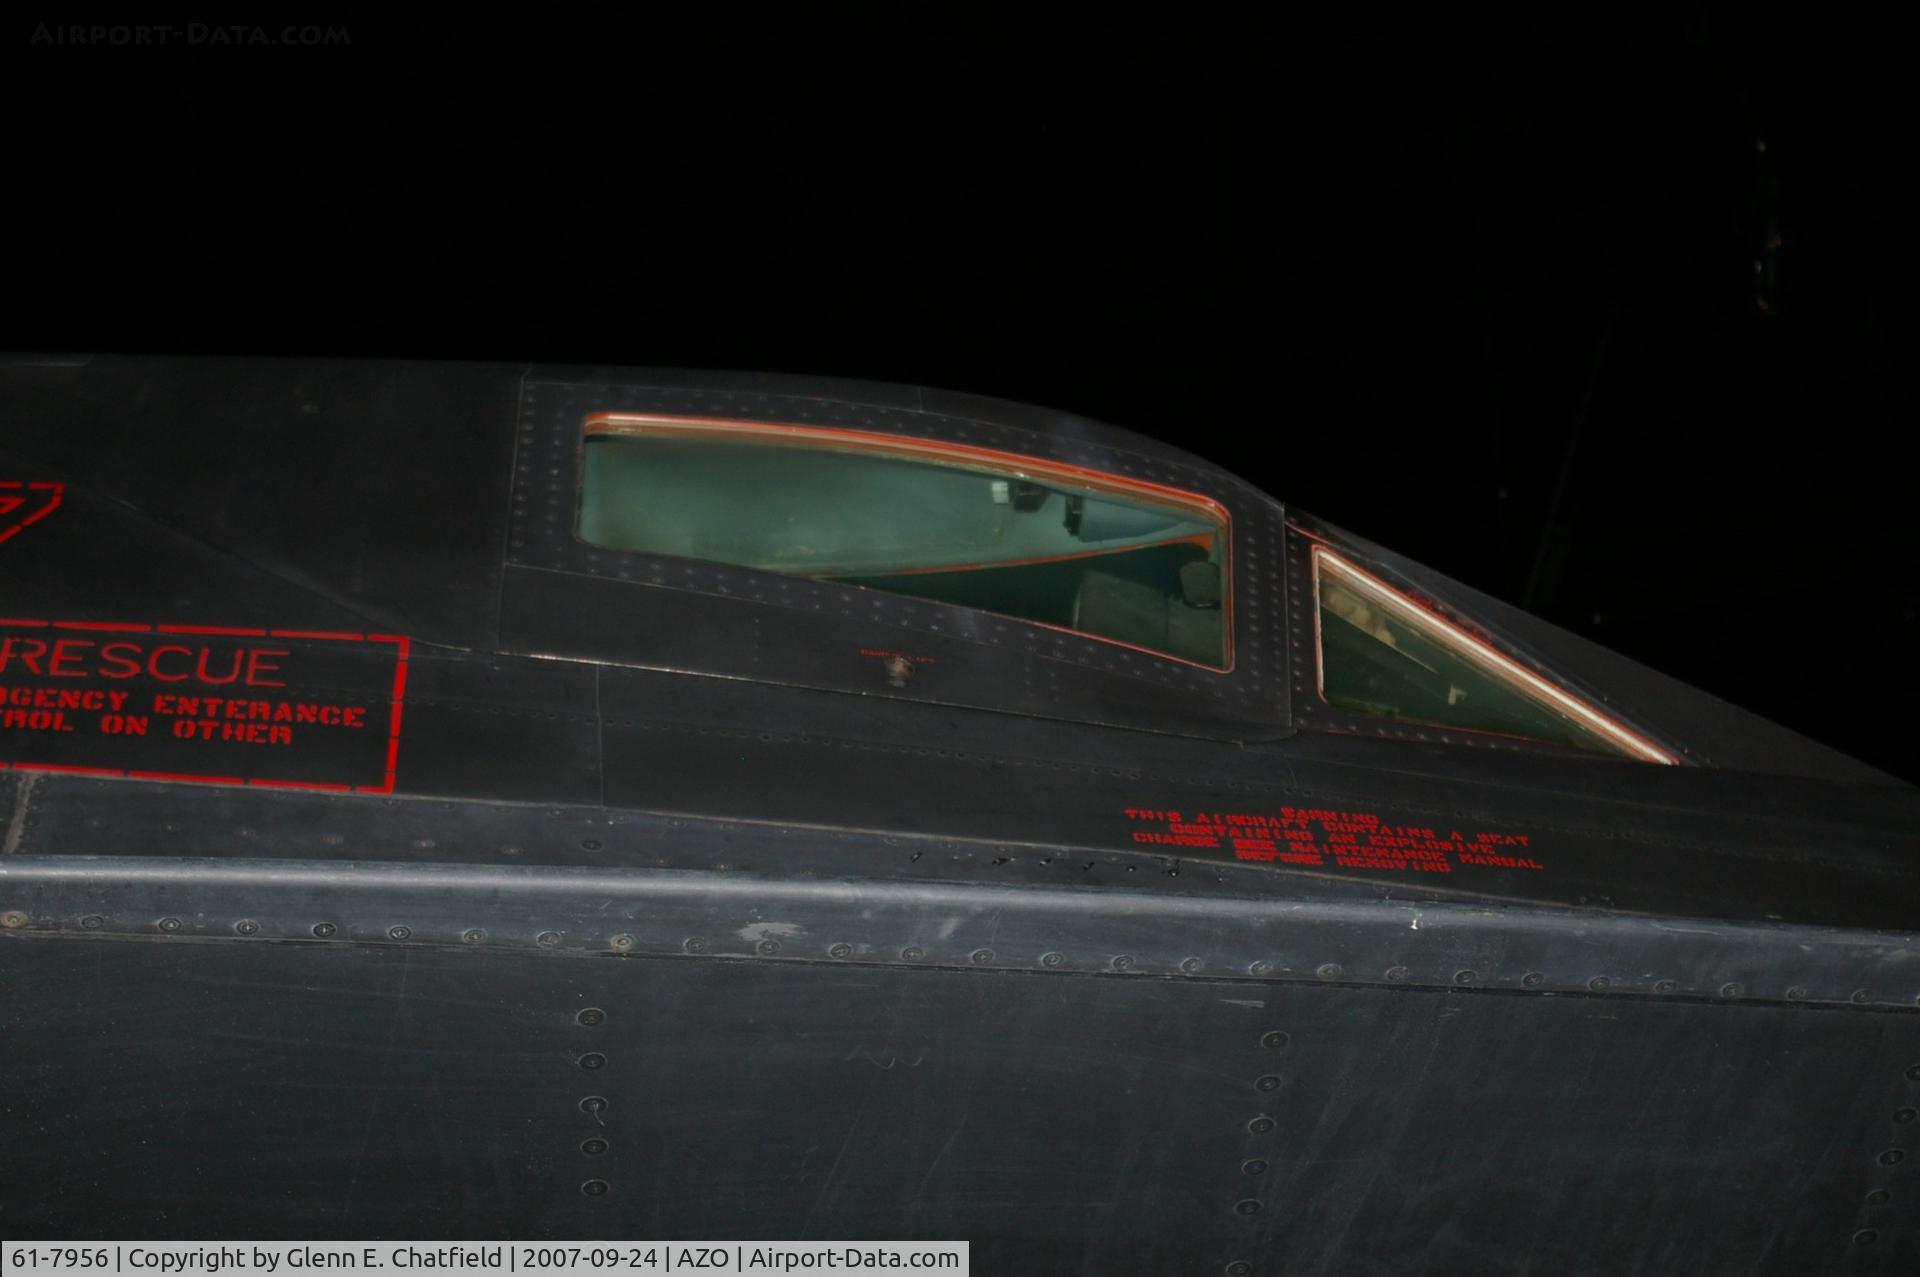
(24, 504)
(1331, 838)
(228, 705)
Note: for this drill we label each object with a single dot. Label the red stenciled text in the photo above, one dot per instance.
(1323, 837)
(211, 664)
(223, 718)
(190, 701)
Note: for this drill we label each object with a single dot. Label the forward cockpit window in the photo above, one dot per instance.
(1384, 654)
(1102, 555)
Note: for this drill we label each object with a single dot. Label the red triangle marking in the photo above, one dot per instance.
(17, 513)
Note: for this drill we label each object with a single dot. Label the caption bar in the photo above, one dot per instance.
(739, 1259)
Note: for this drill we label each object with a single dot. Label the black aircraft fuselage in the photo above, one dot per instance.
(387, 850)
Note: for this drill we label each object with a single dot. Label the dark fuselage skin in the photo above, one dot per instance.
(1103, 962)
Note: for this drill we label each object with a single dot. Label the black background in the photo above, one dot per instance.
(1475, 281)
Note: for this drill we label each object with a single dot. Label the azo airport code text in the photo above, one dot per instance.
(187, 1259)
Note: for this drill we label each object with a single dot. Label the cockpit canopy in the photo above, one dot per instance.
(1130, 562)
(1102, 555)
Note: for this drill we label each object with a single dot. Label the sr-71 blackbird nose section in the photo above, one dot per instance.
(362, 724)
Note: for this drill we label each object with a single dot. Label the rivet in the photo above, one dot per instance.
(1261, 967)
(1260, 1125)
(1274, 1039)
(1892, 1157)
(13, 919)
(913, 953)
(593, 1147)
(1247, 1207)
(1879, 1197)
(1797, 993)
(591, 1016)
(1860, 995)
(622, 941)
(1865, 1237)
(1913, 1074)
(1254, 1166)
(1267, 1083)
(768, 946)
(695, 944)
(473, 935)
(324, 930)
(547, 939)
(1328, 970)
(1396, 974)
(93, 922)
(1239, 1268)
(1532, 980)
(1731, 990)
(981, 957)
(1123, 962)
(1600, 984)
(591, 844)
(1189, 966)
(594, 1188)
(1052, 959)
(168, 925)
(399, 933)
(1665, 986)
(594, 1105)
(1465, 977)
(592, 1060)
(840, 951)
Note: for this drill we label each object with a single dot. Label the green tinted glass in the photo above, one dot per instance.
(1383, 654)
(1022, 539)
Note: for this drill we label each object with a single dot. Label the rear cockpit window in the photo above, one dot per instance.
(1382, 653)
(1102, 555)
